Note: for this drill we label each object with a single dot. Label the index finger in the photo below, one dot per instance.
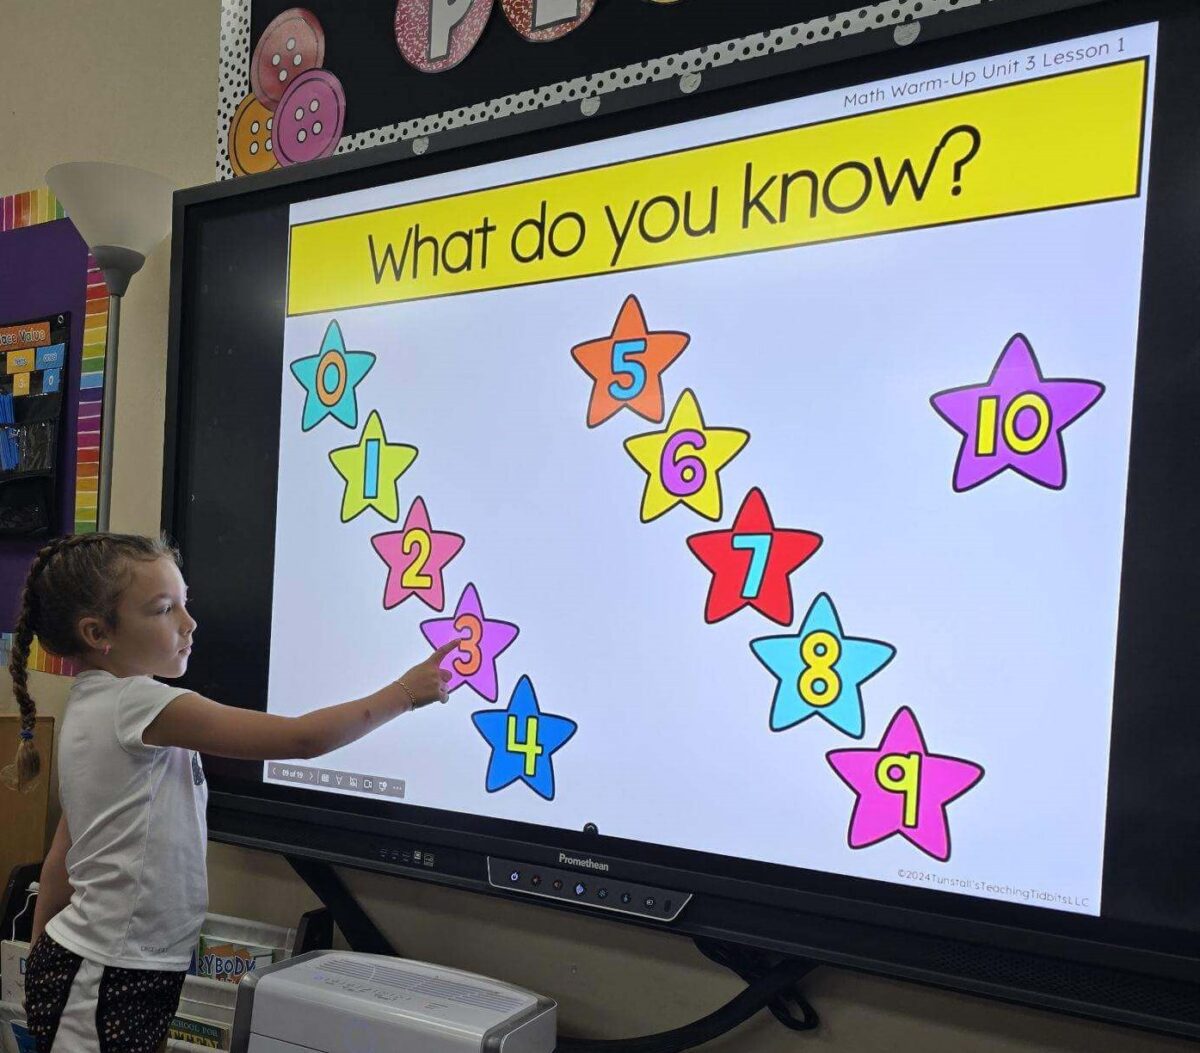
(445, 649)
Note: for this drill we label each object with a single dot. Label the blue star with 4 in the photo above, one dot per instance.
(329, 378)
(523, 739)
(821, 670)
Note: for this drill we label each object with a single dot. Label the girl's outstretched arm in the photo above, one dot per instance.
(195, 722)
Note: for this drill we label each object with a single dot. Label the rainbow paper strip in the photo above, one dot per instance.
(28, 210)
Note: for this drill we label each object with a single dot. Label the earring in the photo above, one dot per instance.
(107, 650)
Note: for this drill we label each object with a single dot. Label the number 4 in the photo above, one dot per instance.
(759, 546)
(528, 746)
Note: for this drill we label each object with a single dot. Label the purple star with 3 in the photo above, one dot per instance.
(1015, 420)
(481, 641)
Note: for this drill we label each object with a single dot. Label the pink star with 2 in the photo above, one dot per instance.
(416, 556)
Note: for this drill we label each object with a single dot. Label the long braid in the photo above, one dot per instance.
(30, 623)
(29, 760)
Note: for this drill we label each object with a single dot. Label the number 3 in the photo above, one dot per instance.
(469, 624)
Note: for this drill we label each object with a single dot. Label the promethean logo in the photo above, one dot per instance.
(589, 863)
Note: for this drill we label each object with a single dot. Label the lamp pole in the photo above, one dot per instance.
(122, 213)
(118, 265)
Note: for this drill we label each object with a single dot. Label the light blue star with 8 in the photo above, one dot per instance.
(523, 739)
(821, 670)
(329, 378)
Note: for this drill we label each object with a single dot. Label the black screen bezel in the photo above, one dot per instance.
(1169, 318)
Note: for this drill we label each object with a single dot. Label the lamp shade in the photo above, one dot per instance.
(114, 205)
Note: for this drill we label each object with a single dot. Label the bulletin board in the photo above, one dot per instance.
(383, 71)
(46, 271)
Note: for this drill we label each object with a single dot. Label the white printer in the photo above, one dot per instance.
(345, 1002)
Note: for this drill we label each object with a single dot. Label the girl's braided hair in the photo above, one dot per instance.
(72, 578)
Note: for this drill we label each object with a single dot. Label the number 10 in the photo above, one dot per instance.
(986, 432)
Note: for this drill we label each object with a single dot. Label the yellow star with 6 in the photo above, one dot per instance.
(683, 460)
(372, 470)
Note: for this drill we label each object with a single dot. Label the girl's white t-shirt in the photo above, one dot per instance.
(136, 815)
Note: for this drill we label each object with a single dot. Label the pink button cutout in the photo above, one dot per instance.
(309, 119)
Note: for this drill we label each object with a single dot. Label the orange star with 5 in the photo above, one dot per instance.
(626, 367)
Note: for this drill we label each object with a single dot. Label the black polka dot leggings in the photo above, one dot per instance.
(77, 1006)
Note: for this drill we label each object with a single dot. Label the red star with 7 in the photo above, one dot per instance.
(751, 562)
(626, 366)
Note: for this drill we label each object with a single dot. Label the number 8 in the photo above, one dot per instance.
(819, 685)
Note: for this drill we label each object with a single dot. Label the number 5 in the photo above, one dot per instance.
(624, 366)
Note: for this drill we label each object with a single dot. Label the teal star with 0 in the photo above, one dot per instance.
(820, 670)
(329, 379)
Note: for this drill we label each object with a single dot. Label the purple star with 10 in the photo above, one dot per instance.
(481, 640)
(1015, 420)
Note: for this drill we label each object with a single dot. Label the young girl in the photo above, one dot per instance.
(124, 887)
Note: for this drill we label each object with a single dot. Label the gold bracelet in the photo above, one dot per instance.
(412, 702)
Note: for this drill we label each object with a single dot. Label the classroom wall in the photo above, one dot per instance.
(134, 81)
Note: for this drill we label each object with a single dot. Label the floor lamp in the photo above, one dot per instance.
(122, 213)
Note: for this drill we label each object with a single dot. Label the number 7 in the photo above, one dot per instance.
(759, 545)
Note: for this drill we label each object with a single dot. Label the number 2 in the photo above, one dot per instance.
(412, 578)
(624, 366)
(759, 547)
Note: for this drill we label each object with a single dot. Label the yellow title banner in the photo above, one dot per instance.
(1069, 139)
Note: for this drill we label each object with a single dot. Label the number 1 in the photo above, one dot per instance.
(371, 470)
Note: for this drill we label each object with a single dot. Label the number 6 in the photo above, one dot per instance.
(684, 475)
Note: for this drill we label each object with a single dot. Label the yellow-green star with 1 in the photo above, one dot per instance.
(683, 461)
(372, 469)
